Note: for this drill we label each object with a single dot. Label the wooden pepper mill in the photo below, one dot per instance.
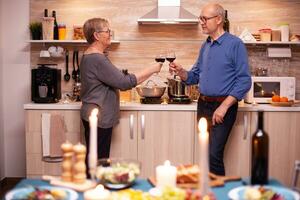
(67, 149)
(79, 169)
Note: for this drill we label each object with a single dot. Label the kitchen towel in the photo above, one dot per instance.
(57, 134)
(46, 134)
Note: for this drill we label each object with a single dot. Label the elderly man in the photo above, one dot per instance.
(222, 73)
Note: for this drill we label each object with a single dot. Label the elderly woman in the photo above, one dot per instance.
(101, 82)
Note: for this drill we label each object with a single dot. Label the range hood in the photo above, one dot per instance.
(168, 12)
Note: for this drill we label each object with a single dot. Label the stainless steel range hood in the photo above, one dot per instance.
(168, 12)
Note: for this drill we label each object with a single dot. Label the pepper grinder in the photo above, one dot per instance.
(79, 169)
(67, 149)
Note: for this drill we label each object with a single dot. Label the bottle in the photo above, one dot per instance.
(46, 13)
(226, 22)
(55, 31)
(259, 154)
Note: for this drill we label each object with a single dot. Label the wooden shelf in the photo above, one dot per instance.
(272, 43)
(65, 41)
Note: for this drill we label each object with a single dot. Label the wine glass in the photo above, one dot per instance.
(160, 58)
(170, 56)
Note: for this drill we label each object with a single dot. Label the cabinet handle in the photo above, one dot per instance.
(245, 126)
(143, 126)
(52, 160)
(131, 126)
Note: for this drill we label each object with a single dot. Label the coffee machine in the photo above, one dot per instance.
(45, 84)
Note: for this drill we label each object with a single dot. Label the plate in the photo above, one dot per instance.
(238, 193)
(284, 104)
(21, 193)
(112, 186)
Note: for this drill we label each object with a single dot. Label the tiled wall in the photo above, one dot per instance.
(140, 43)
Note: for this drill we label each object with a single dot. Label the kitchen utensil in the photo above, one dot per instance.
(74, 70)
(78, 69)
(150, 91)
(67, 75)
(177, 88)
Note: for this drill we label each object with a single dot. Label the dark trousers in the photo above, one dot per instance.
(218, 134)
(103, 140)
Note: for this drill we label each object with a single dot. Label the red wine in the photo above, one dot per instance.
(259, 154)
(160, 60)
(170, 59)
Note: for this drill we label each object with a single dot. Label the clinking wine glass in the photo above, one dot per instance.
(160, 58)
(171, 57)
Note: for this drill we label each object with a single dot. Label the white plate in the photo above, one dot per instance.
(21, 193)
(238, 193)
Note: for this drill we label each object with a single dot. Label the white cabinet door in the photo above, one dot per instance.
(124, 138)
(283, 129)
(165, 135)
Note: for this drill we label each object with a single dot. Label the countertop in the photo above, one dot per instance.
(159, 107)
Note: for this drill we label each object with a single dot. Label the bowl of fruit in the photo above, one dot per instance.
(116, 173)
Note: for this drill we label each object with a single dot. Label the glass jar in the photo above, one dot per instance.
(265, 35)
(62, 31)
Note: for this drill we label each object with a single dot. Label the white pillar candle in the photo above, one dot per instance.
(99, 193)
(93, 155)
(203, 161)
(166, 175)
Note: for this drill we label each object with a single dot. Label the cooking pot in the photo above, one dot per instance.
(177, 88)
(150, 91)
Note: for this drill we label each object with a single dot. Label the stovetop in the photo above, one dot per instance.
(155, 100)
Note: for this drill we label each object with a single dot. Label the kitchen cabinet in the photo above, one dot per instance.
(152, 137)
(237, 149)
(284, 148)
(35, 165)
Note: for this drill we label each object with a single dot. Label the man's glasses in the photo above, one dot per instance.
(205, 19)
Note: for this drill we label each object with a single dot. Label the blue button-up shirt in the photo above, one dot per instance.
(222, 68)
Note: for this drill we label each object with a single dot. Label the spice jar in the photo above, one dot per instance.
(265, 34)
(78, 33)
(62, 31)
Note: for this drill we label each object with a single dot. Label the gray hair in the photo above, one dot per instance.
(91, 26)
(219, 10)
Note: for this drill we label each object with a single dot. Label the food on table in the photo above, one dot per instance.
(187, 174)
(131, 194)
(261, 193)
(44, 194)
(119, 172)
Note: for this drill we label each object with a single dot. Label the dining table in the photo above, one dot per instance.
(220, 192)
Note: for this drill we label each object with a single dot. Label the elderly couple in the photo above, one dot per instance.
(221, 70)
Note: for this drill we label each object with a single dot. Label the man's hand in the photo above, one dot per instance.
(220, 112)
(178, 70)
(218, 116)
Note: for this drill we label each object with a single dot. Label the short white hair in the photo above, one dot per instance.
(219, 10)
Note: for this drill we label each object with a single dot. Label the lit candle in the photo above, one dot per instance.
(93, 155)
(203, 162)
(99, 193)
(166, 175)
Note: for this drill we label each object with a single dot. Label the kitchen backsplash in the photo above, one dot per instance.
(140, 43)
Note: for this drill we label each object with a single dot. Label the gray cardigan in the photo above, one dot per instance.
(100, 84)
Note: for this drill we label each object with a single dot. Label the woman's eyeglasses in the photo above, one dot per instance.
(205, 19)
(107, 31)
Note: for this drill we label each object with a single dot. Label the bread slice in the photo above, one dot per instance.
(187, 174)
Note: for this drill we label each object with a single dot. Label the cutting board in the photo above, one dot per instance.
(215, 181)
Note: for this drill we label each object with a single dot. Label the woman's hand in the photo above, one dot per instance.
(158, 67)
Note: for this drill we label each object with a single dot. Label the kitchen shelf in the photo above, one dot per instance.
(65, 41)
(272, 43)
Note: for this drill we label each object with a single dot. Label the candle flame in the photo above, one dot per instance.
(202, 125)
(94, 112)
